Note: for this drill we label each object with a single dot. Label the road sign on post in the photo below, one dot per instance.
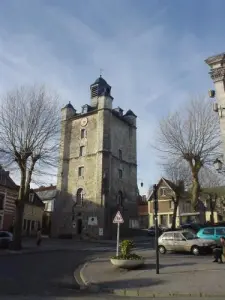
(118, 219)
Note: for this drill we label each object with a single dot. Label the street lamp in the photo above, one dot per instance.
(155, 197)
(218, 165)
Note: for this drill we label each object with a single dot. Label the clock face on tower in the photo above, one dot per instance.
(84, 122)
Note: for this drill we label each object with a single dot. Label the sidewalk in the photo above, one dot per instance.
(179, 276)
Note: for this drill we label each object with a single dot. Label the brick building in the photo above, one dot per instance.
(33, 209)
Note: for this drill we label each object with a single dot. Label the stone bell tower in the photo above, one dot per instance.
(97, 172)
(217, 73)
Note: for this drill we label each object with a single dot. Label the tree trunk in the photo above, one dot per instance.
(173, 227)
(195, 190)
(17, 234)
(17, 237)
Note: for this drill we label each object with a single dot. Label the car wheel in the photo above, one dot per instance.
(195, 250)
(162, 249)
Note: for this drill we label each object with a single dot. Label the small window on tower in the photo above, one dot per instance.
(130, 133)
(120, 173)
(82, 151)
(81, 171)
(82, 133)
(120, 154)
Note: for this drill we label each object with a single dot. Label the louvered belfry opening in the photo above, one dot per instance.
(94, 91)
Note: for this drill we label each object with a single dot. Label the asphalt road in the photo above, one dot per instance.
(46, 273)
(49, 275)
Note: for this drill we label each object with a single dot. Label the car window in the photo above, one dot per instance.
(3, 234)
(208, 231)
(177, 236)
(189, 235)
(220, 231)
(168, 236)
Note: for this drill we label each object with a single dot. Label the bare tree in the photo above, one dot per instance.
(29, 135)
(191, 134)
(179, 174)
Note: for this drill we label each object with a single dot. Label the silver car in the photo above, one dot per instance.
(179, 241)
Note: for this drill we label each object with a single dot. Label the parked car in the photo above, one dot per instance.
(193, 227)
(184, 241)
(211, 233)
(6, 238)
(151, 231)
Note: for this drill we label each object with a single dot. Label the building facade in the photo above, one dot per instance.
(97, 173)
(167, 192)
(33, 209)
(143, 216)
(217, 73)
(48, 195)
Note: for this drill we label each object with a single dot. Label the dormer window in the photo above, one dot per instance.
(31, 197)
(162, 192)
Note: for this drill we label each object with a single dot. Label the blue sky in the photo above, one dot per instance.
(152, 53)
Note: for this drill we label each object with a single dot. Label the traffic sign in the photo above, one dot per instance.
(118, 218)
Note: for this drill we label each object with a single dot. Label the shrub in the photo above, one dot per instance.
(126, 247)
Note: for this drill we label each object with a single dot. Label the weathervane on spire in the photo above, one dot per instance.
(101, 71)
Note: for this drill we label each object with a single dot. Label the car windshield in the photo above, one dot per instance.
(189, 235)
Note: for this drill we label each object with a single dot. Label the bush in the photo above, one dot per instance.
(126, 247)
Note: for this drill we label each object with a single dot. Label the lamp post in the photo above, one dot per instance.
(218, 164)
(155, 196)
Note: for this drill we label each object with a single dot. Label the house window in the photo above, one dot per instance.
(46, 206)
(162, 192)
(31, 197)
(120, 173)
(130, 133)
(171, 205)
(38, 224)
(82, 133)
(170, 219)
(120, 154)
(120, 198)
(32, 225)
(163, 220)
(2, 198)
(81, 171)
(82, 151)
(80, 195)
(24, 224)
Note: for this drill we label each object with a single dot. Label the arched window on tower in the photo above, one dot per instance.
(80, 194)
(120, 198)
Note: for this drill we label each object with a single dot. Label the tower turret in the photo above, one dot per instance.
(101, 89)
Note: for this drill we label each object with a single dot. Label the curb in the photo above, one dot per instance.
(96, 288)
